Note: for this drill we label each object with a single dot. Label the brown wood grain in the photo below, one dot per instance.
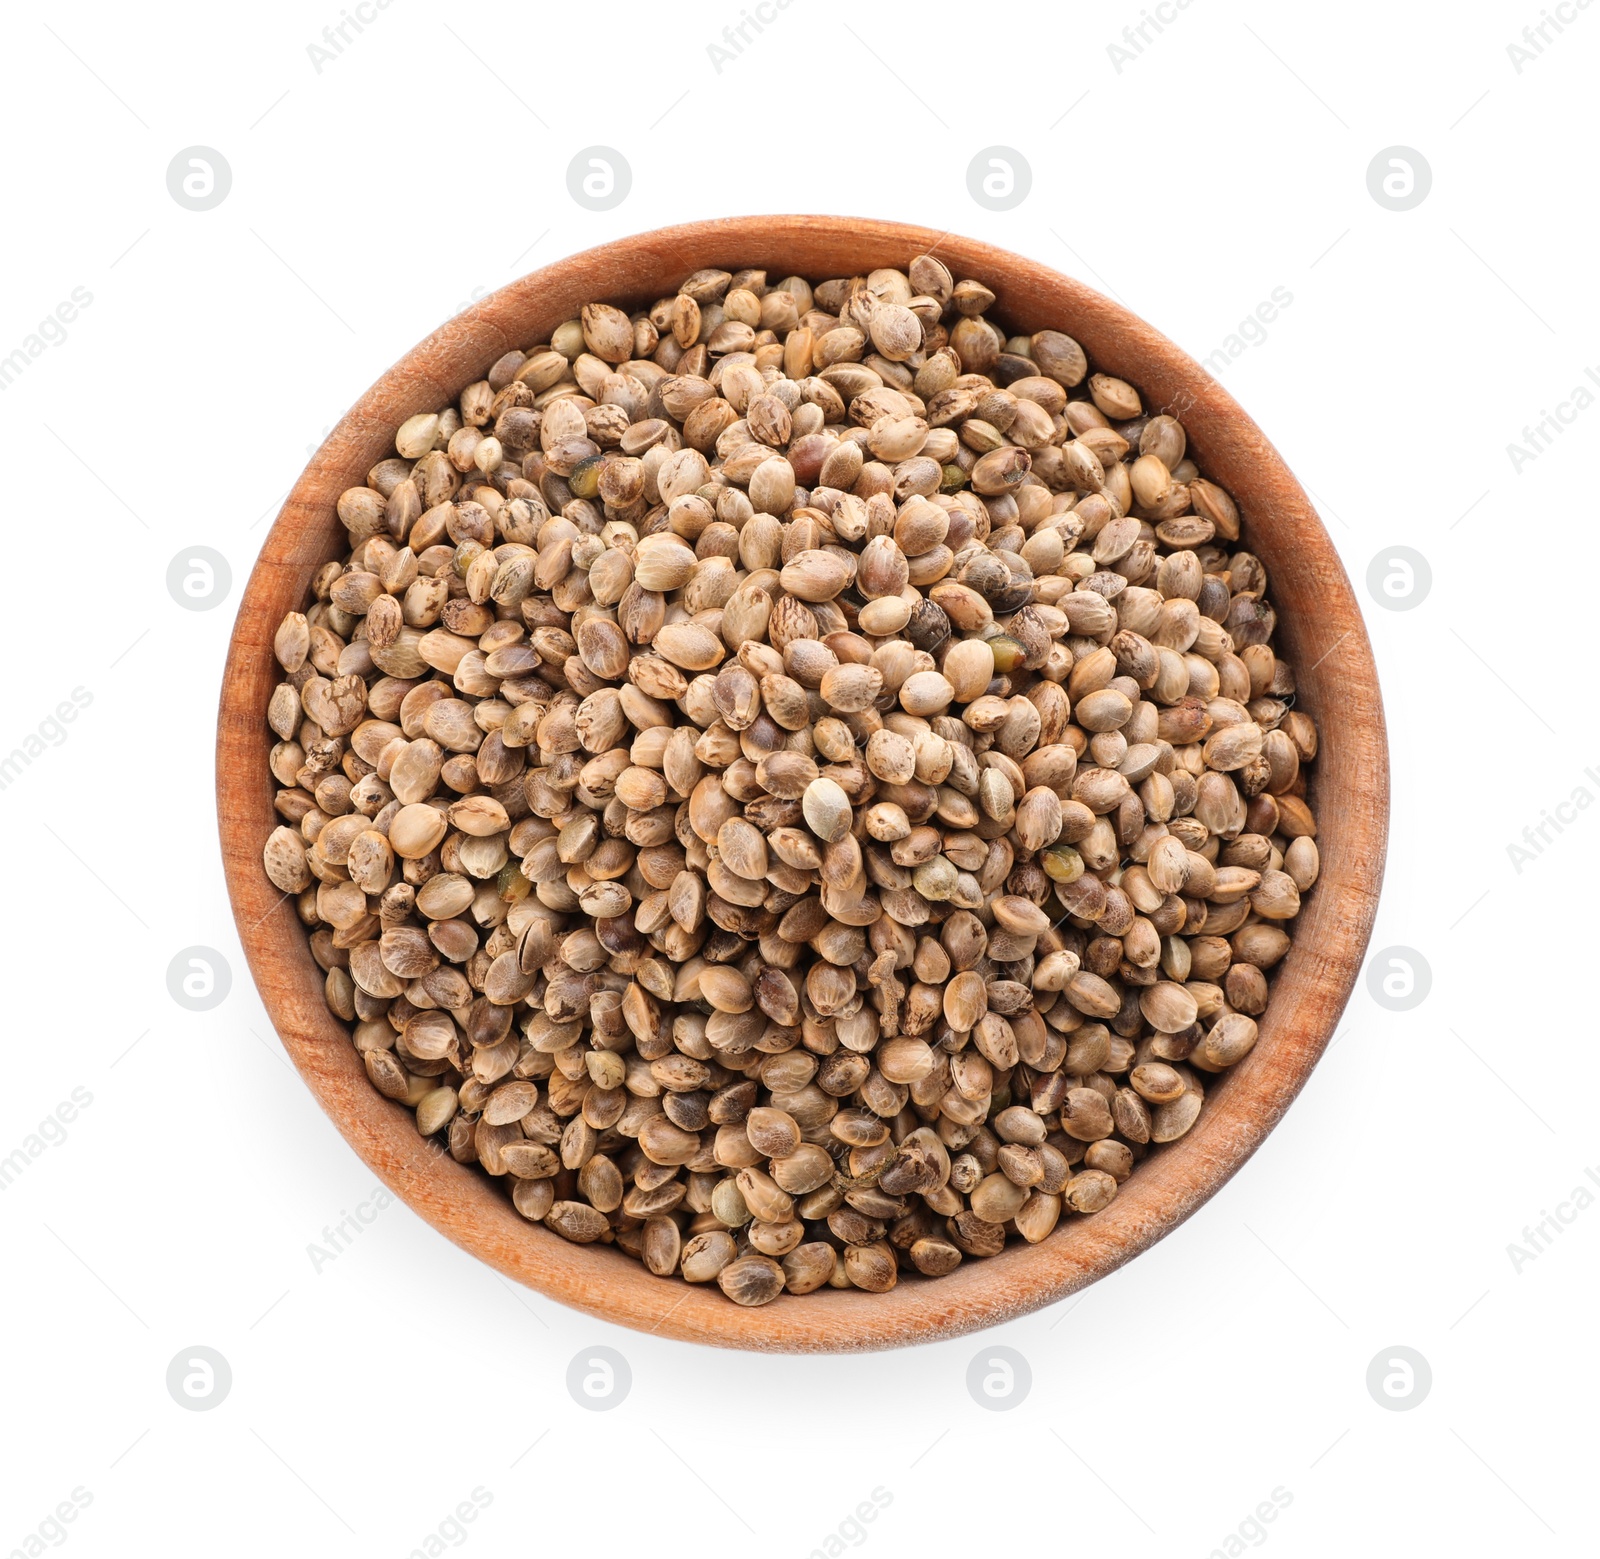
(1320, 633)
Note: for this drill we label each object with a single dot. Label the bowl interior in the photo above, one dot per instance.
(1320, 633)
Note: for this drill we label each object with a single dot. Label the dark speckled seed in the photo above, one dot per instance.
(929, 626)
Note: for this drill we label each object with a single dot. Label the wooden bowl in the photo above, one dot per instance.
(1320, 633)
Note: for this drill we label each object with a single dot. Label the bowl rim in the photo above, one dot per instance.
(1349, 782)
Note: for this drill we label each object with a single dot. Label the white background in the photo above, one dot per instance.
(426, 164)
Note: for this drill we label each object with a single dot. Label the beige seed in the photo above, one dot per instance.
(1019, 915)
(726, 989)
(804, 1169)
(662, 562)
(891, 756)
(480, 816)
(415, 830)
(416, 435)
(706, 1255)
(1038, 1216)
(285, 860)
(925, 693)
(1090, 1191)
(1106, 710)
(692, 646)
(896, 331)
(905, 1060)
(885, 616)
(576, 1221)
(772, 488)
(968, 668)
(751, 1280)
(851, 689)
(965, 1001)
(815, 576)
(882, 572)
(1157, 1083)
(995, 1198)
(436, 1109)
(661, 1246)
(1229, 1040)
(827, 810)
(773, 1133)
(510, 1102)
(1170, 1121)
(1085, 1115)
(533, 1198)
(1167, 1007)
(871, 1267)
(808, 1267)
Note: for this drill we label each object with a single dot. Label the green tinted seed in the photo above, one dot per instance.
(1062, 863)
(585, 478)
(1008, 654)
